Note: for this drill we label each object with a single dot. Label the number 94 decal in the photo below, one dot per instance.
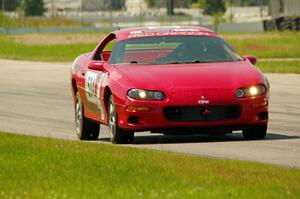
(93, 85)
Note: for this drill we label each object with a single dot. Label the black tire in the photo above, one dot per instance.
(86, 129)
(117, 135)
(256, 132)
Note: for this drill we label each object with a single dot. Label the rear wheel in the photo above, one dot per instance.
(117, 135)
(86, 129)
(256, 132)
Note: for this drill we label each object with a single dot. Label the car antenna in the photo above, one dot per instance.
(118, 26)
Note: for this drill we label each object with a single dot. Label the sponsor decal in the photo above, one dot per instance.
(203, 100)
(93, 86)
(185, 30)
(152, 34)
(99, 102)
(90, 80)
(136, 32)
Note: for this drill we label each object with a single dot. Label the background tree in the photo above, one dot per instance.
(211, 7)
(254, 2)
(32, 7)
(215, 8)
(112, 4)
(8, 5)
(170, 7)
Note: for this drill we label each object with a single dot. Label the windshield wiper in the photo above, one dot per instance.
(174, 62)
(185, 62)
(139, 63)
(196, 61)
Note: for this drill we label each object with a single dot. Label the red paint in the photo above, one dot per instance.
(183, 84)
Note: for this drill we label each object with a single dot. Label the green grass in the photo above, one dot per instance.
(10, 49)
(266, 45)
(279, 66)
(47, 168)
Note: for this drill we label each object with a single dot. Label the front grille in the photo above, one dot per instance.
(196, 113)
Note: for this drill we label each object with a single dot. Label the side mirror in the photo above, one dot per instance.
(252, 59)
(96, 65)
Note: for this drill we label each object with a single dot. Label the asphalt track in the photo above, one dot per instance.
(35, 99)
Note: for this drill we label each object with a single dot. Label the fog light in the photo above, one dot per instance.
(263, 115)
(133, 120)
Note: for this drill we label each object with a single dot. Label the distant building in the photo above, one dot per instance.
(84, 5)
(285, 15)
(98, 5)
(131, 6)
(248, 3)
(284, 8)
(135, 6)
(62, 5)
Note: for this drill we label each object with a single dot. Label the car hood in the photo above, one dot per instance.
(178, 77)
(188, 83)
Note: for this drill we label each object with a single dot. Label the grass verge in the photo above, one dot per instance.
(47, 168)
(279, 66)
(267, 44)
(9, 49)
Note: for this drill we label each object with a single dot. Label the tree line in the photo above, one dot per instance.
(26, 7)
(210, 7)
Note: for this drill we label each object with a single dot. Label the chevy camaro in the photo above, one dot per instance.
(171, 80)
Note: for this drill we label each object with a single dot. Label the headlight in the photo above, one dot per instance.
(251, 91)
(145, 95)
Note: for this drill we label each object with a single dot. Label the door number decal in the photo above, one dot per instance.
(93, 85)
(90, 80)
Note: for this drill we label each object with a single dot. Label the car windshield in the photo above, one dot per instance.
(172, 50)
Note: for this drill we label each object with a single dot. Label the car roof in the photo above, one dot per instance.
(137, 32)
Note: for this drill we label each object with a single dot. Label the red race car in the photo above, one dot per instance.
(179, 79)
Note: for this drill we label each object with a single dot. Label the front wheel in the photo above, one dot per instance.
(256, 132)
(117, 136)
(86, 129)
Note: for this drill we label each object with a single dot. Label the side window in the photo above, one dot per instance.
(103, 50)
(109, 46)
(117, 55)
(105, 55)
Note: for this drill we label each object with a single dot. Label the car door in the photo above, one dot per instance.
(95, 79)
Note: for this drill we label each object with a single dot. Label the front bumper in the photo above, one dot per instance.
(254, 111)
